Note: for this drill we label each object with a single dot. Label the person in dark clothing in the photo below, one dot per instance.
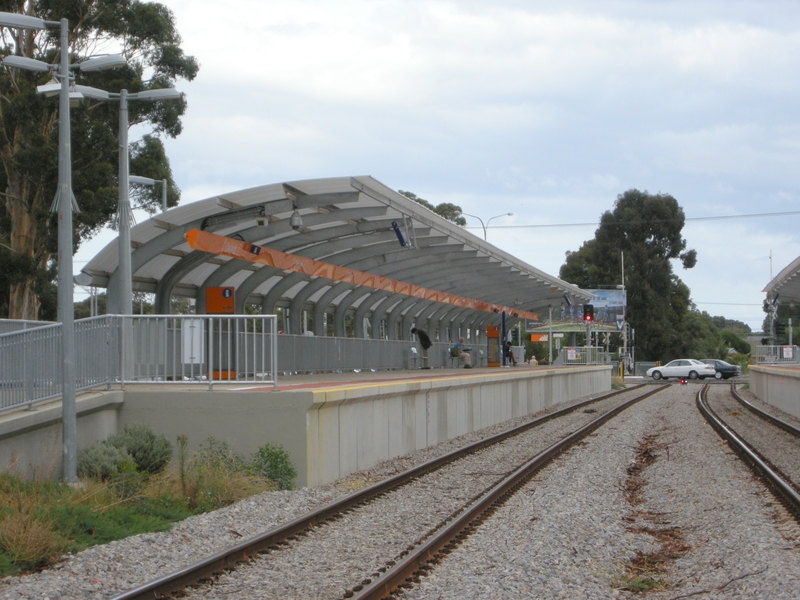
(510, 358)
(425, 342)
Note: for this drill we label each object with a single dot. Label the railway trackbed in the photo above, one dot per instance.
(382, 535)
(770, 446)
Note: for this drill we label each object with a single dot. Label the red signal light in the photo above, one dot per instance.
(588, 313)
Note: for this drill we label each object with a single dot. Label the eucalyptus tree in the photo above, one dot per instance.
(145, 33)
(646, 228)
(447, 210)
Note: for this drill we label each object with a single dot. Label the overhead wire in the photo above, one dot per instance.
(596, 223)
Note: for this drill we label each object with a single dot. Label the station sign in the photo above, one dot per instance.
(219, 300)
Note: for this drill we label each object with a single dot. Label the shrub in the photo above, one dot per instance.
(217, 476)
(217, 454)
(742, 360)
(102, 461)
(273, 463)
(149, 451)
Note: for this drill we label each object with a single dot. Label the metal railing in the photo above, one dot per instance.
(583, 355)
(310, 354)
(142, 348)
(12, 325)
(776, 354)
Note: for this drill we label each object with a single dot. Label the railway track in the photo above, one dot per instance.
(770, 446)
(460, 487)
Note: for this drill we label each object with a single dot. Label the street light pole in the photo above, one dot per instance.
(66, 312)
(124, 211)
(486, 226)
(63, 204)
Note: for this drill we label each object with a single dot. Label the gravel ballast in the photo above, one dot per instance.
(575, 531)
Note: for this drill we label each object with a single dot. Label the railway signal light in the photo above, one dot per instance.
(588, 313)
(780, 328)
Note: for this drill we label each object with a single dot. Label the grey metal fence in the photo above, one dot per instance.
(12, 325)
(583, 355)
(776, 354)
(309, 354)
(142, 348)
(202, 349)
(30, 366)
(198, 348)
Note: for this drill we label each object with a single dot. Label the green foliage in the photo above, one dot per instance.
(149, 451)
(216, 477)
(698, 337)
(217, 454)
(743, 360)
(732, 325)
(647, 229)
(273, 463)
(732, 340)
(146, 34)
(447, 210)
(541, 350)
(39, 521)
(102, 461)
(88, 525)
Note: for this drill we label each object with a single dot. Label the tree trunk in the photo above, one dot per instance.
(23, 303)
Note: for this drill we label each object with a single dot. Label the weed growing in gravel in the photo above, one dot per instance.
(617, 383)
(646, 571)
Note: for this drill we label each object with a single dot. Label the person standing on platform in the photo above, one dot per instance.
(510, 355)
(425, 342)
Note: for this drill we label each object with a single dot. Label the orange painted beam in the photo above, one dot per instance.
(225, 246)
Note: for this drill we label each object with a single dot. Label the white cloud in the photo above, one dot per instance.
(547, 110)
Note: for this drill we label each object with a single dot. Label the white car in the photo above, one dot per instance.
(683, 368)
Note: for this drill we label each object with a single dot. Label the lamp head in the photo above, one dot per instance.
(102, 62)
(29, 64)
(21, 21)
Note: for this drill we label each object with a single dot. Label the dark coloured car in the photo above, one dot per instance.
(723, 370)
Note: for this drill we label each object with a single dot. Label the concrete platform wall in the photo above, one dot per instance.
(328, 433)
(778, 386)
(352, 429)
(31, 441)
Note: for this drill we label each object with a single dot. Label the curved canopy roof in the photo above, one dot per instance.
(786, 283)
(344, 221)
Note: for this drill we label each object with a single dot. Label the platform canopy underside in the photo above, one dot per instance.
(346, 221)
(786, 285)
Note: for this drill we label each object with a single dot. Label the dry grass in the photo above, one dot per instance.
(31, 541)
(205, 488)
(27, 534)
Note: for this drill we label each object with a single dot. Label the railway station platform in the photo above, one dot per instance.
(331, 424)
(778, 385)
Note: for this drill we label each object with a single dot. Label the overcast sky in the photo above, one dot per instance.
(548, 110)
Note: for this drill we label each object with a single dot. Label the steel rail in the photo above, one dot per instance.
(783, 490)
(764, 415)
(420, 558)
(229, 558)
